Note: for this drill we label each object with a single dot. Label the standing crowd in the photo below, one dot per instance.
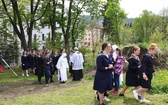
(109, 72)
(47, 63)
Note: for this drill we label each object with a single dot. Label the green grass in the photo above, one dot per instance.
(72, 94)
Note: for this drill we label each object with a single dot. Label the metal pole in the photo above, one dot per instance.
(9, 67)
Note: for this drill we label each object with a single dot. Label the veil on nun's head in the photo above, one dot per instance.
(64, 55)
(114, 47)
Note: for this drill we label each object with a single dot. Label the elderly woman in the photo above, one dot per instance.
(103, 77)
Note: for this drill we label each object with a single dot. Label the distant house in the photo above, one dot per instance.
(92, 35)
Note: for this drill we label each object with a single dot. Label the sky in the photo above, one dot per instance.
(135, 7)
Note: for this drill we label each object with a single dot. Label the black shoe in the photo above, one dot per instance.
(97, 96)
(105, 94)
(139, 97)
(121, 94)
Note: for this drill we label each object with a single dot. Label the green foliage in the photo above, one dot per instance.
(73, 92)
(35, 45)
(127, 36)
(89, 78)
(145, 25)
(83, 50)
(143, 45)
(160, 39)
(159, 84)
(88, 66)
(116, 16)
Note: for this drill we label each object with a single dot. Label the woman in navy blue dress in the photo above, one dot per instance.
(103, 76)
(24, 63)
(47, 68)
(146, 73)
(132, 75)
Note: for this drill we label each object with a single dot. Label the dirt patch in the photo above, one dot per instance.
(14, 90)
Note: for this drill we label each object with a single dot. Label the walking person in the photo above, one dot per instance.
(132, 74)
(29, 61)
(70, 63)
(47, 67)
(146, 73)
(118, 67)
(33, 67)
(51, 68)
(77, 65)
(39, 66)
(55, 60)
(24, 64)
(103, 76)
(62, 66)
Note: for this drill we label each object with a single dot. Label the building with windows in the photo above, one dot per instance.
(92, 35)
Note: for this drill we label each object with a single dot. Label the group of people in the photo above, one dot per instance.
(110, 68)
(44, 63)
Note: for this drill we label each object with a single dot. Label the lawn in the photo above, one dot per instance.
(26, 91)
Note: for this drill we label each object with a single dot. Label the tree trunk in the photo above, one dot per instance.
(53, 22)
(66, 35)
(30, 29)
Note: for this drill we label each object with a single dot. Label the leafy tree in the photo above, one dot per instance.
(116, 16)
(145, 25)
(23, 15)
(164, 21)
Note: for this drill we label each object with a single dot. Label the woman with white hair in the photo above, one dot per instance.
(62, 66)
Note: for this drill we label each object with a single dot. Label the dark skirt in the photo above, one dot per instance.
(39, 71)
(24, 67)
(77, 74)
(70, 69)
(144, 83)
(103, 81)
(47, 72)
(132, 78)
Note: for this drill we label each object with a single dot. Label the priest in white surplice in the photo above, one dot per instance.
(77, 64)
(62, 66)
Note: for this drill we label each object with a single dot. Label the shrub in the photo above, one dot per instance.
(159, 83)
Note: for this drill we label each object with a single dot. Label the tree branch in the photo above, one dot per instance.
(10, 18)
(43, 13)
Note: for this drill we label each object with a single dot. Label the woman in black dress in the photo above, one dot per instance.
(146, 72)
(103, 76)
(132, 75)
(55, 60)
(39, 66)
(24, 63)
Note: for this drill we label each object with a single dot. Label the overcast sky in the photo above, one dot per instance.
(135, 7)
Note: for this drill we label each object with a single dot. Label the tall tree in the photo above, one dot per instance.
(25, 16)
(145, 25)
(116, 16)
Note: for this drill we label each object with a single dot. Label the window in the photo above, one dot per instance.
(85, 38)
(42, 37)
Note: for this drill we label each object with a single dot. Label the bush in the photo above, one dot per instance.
(159, 83)
(143, 45)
